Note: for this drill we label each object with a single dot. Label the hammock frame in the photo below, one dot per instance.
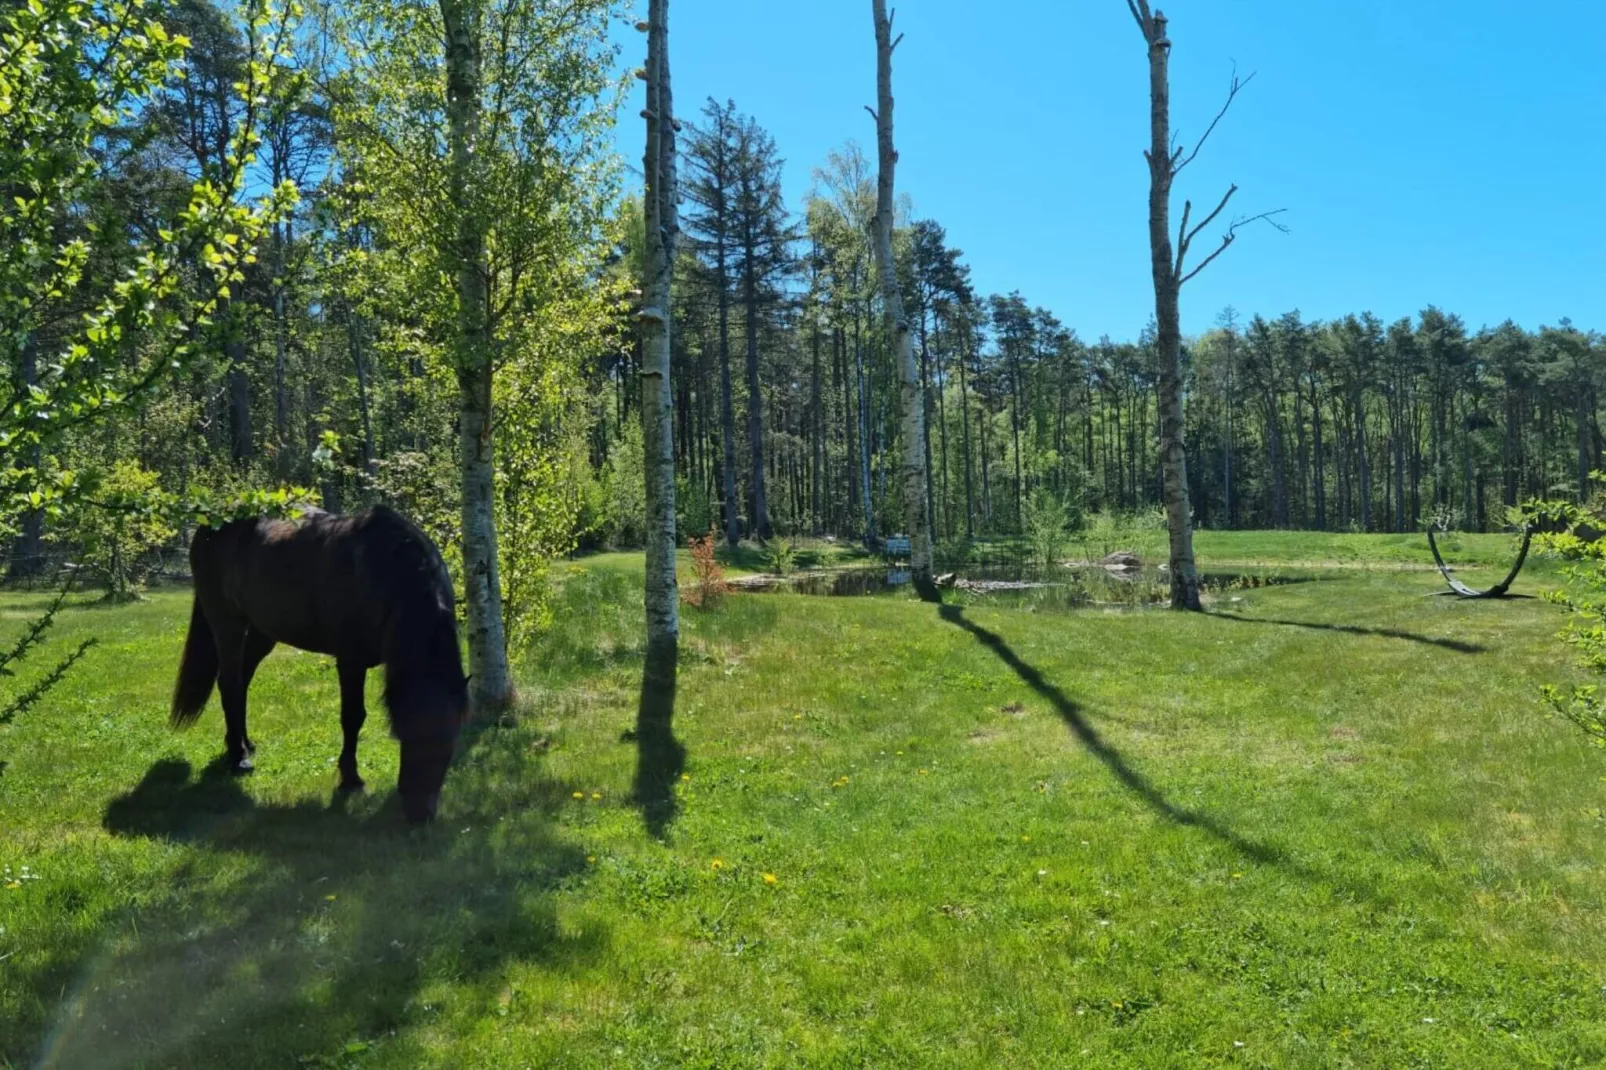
(1499, 590)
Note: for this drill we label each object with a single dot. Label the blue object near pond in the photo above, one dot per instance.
(896, 546)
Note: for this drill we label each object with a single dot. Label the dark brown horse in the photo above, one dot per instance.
(369, 589)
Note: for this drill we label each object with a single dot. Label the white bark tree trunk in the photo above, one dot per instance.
(913, 460)
(657, 398)
(491, 687)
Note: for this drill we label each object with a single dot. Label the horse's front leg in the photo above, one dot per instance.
(353, 675)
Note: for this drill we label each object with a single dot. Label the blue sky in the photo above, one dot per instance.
(1425, 151)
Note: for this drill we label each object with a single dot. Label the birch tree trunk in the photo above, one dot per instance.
(491, 687)
(27, 551)
(657, 395)
(240, 436)
(733, 533)
(281, 332)
(1582, 420)
(866, 445)
(816, 437)
(913, 460)
(964, 428)
(760, 520)
(360, 365)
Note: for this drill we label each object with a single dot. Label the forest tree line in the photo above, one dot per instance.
(342, 359)
(1350, 424)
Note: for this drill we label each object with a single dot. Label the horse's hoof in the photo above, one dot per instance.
(243, 766)
(351, 785)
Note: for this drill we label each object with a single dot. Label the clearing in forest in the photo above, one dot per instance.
(1327, 824)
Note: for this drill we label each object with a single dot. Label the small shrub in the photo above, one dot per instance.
(117, 526)
(693, 510)
(953, 553)
(710, 585)
(1047, 526)
(1103, 533)
(625, 480)
(1570, 532)
(781, 556)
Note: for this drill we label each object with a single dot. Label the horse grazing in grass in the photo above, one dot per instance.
(369, 589)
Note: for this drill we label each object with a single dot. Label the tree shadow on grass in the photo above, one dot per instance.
(1354, 629)
(293, 934)
(1071, 713)
(660, 758)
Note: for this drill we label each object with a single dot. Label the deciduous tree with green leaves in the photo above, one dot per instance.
(478, 129)
(91, 323)
(93, 320)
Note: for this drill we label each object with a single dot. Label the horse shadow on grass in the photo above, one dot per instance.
(293, 934)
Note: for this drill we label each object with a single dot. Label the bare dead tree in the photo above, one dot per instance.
(1167, 160)
(912, 466)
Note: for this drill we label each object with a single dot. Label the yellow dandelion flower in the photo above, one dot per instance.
(579, 795)
(1025, 839)
(769, 878)
(797, 716)
(1237, 876)
(591, 860)
(595, 795)
(331, 898)
(685, 776)
(922, 772)
(717, 864)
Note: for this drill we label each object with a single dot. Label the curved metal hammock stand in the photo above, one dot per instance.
(1498, 590)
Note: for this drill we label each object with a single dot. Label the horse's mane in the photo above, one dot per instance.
(425, 689)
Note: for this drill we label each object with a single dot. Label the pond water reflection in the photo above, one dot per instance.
(1064, 587)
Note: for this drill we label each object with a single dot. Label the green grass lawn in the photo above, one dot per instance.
(1327, 825)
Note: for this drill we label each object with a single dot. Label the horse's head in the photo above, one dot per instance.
(425, 687)
(424, 763)
(428, 710)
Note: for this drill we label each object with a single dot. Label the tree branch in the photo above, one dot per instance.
(873, 114)
(1232, 92)
(1182, 238)
(1140, 12)
(1232, 234)
(1186, 236)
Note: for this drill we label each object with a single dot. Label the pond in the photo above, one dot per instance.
(1064, 587)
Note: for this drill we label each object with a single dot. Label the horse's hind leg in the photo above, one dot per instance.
(353, 675)
(232, 680)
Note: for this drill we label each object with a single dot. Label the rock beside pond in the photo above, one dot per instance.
(1122, 559)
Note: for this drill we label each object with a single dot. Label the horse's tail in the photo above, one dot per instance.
(197, 670)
